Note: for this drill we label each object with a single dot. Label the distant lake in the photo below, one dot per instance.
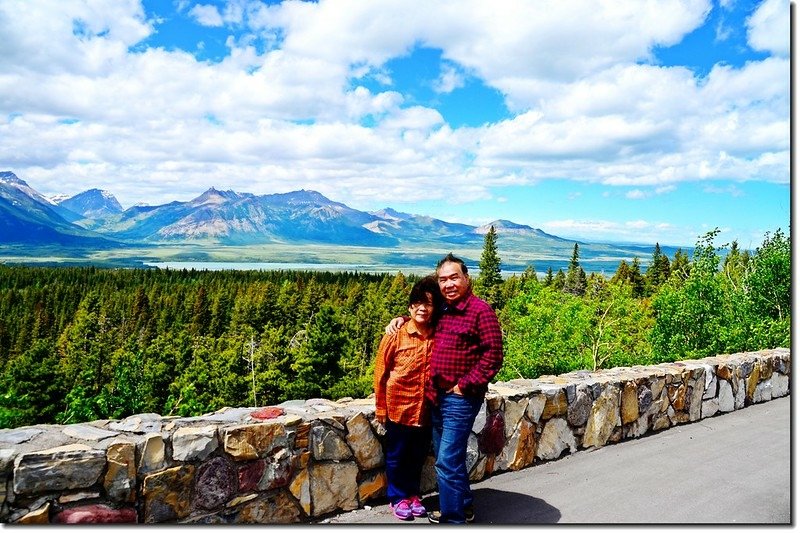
(325, 267)
(334, 267)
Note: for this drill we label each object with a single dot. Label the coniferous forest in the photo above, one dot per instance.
(79, 344)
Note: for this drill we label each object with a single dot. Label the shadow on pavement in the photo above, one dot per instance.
(494, 506)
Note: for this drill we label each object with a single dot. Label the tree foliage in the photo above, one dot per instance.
(86, 343)
(489, 282)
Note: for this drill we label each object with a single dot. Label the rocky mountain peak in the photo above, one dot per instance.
(11, 178)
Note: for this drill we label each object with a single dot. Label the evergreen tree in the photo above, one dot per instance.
(680, 266)
(559, 280)
(317, 362)
(595, 284)
(636, 279)
(529, 275)
(489, 279)
(548, 278)
(623, 273)
(575, 282)
(658, 272)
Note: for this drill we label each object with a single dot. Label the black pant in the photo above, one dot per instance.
(406, 450)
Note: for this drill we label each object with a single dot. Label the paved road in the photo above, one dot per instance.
(732, 468)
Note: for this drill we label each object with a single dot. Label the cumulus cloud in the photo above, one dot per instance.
(631, 230)
(291, 105)
(449, 80)
(768, 27)
(206, 15)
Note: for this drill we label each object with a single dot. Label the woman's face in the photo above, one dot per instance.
(421, 312)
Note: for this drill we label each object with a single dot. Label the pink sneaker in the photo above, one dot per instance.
(402, 510)
(417, 509)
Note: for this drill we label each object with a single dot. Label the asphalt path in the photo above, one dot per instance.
(733, 468)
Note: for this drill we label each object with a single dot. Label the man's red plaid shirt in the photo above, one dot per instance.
(468, 350)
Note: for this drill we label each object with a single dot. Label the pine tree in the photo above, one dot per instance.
(680, 266)
(548, 278)
(658, 272)
(636, 279)
(489, 279)
(622, 274)
(575, 282)
(559, 280)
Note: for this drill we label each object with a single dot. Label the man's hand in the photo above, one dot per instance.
(456, 390)
(395, 325)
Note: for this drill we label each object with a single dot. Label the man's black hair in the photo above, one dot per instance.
(450, 258)
(421, 289)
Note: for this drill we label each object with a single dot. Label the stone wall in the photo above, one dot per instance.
(302, 460)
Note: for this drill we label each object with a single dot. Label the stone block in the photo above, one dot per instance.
(120, 478)
(273, 509)
(250, 474)
(36, 517)
(763, 391)
(252, 441)
(710, 386)
(167, 494)
(492, 439)
(630, 403)
(555, 438)
(333, 487)
(300, 487)
(87, 432)
(194, 443)
(153, 453)
(97, 514)
(278, 470)
(366, 447)
(725, 397)
(372, 486)
(710, 407)
(328, 444)
(74, 466)
(780, 385)
(536, 405)
(603, 418)
(514, 411)
(428, 480)
(695, 399)
(215, 483)
(556, 404)
(579, 409)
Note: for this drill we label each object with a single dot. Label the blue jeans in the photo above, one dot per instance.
(406, 450)
(452, 423)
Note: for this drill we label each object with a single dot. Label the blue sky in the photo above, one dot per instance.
(620, 121)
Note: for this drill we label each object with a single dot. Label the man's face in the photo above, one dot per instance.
(453, 283)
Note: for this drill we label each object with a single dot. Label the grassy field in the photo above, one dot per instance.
(417, 258)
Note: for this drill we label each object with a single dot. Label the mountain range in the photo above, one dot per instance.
(223, 217)
(229, 220)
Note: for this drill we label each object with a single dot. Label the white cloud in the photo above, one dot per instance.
(449, 80)
(636, 194)
(768, 27)
(206, 15)
(627, 231)
(287, 113)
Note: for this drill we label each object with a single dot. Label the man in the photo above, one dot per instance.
(467, 354)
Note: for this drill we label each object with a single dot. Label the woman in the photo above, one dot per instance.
(401, 371)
